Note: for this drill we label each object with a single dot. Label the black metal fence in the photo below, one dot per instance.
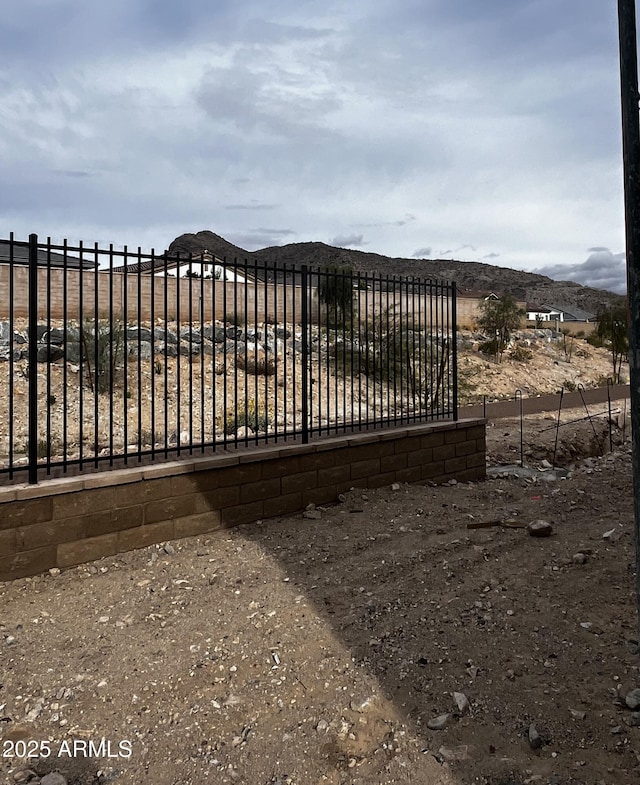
(112, 358)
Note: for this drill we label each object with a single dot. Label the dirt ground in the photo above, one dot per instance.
(320, 648)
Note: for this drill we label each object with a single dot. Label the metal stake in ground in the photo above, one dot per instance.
(631, 156)
(555, 446)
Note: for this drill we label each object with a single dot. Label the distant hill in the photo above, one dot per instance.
(469, 276)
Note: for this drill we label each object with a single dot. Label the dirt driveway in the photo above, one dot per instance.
(327, 648)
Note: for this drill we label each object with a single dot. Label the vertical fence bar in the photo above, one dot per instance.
(48, 361)
(305, 356)
(138, 322)
(11, 357)
(33, 359)
(454, 328)
(152, 325)
(112, 359)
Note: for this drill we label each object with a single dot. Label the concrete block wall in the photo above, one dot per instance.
(66, 522)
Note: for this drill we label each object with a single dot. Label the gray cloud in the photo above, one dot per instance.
(250, 206)
(602, 270)
(347, 240)
(255, 239)
(422, 253)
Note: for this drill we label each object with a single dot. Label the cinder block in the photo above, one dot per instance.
(72, 553)
(71, 505)
(420, 457)
(465, 448)
(240, 474)
(199, 482)
(393, 462)
(263, 489)
(333, 474)
(481, 445)
(280, 467)
(431, 470)
(477, 459)
(454, 465)
(142, 536)
(113, 520)
(39, 535)
(476, 432)
(409, 444)
(218, 499)
(21, 565)
(193, 525)
(242, 513)
(283, 505)
(20, 513)
(431, 440)
(366, 468)
(295, 483)
(318, 461)
(454, 437)
(8, 542)
(171, 508)
(410, 474)
(444, 452)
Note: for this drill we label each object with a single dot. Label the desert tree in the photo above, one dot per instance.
(613, 332)
(499, 318)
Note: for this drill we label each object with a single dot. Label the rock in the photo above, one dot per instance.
(579, 558)
(634, 720)
(578, 715)
(322, 726)
(54, 778)
(540, 528)
(439, 723)
(609, 536)
(462, 702)
(395, 486)
(313, 515)
(632, 700)
(544, 464)
(23, 775)
(48, 353)
(454, 753)
(535, 739)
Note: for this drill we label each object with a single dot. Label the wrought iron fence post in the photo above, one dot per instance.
(454, 319)
(33, 359)
(305, 356)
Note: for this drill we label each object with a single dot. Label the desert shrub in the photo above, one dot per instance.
(103, 345)
(252, 414)
(583, 353)
(489, 348)
(569, 385)
(595, 340)
(521, 355)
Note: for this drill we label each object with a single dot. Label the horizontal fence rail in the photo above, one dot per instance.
(112, 358)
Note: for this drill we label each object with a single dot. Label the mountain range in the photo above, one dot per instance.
(469, 276)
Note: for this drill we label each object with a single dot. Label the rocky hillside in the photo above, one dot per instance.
(470, 276)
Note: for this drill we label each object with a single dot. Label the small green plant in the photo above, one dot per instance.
(569, 385)
(252, 414)
(521, 355)
(157, 367)
(51, 399)
(103, 344)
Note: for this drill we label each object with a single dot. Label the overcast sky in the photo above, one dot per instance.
(483, 130)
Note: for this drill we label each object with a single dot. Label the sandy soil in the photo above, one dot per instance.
(319, 648)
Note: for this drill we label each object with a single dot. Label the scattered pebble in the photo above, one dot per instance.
(439, 723)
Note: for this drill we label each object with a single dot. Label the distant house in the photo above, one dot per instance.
(203, 265)
(19, 254)
(542, 313)
(557, 313)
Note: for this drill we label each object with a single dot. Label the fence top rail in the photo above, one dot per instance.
(137, 262)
